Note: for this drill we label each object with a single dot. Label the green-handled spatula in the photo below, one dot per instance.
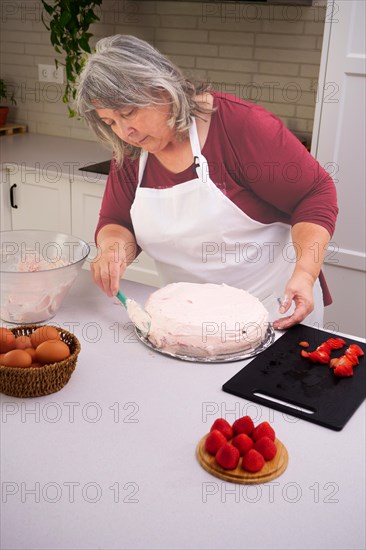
(140, 318)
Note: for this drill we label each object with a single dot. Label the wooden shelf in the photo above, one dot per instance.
(10, 129)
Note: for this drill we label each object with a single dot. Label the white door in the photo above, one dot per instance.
(339, 145)
(40, 201)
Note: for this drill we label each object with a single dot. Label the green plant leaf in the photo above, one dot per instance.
(72, 113)
(54, 39)
(69, 74)
(90, 17)
(49, 9)
(68, 26)
(4, 93)
(84, 44)
(65, 18)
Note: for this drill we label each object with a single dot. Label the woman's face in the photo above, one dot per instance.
(145, 127)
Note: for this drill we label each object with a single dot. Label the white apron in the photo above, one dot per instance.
(196, 234)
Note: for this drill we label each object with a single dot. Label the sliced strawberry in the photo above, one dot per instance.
(316, 356)
(345, 361)
(352, 357)
(341, 362)
(343, 370)
(324, 347)
(334, 362)
(336, 343)
(319, 357)
(356, 350)
(304, 344)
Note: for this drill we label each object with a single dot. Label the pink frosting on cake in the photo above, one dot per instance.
(203, 320)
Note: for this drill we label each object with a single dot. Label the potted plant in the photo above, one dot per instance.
(4, 110)
(69, 22)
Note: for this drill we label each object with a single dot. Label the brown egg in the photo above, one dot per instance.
(1, 358)
(42, 334)
(23, 342)
(7, 340)
(17, 358)
(32, 353)
(52, 351)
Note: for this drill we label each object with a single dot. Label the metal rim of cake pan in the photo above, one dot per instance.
(223, 358)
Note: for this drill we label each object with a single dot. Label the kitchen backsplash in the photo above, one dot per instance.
(264, 53)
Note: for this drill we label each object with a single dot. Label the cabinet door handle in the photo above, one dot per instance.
(13, 205)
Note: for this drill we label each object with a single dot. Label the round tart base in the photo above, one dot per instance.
(271, 469)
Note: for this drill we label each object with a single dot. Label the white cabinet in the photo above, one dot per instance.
(86, 200)
(5, 213)
(39, 200)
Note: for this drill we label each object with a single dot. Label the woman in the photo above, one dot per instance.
(214, 188)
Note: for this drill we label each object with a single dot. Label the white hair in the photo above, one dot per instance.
(126, 71)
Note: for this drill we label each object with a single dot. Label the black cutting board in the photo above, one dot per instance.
(281, 373)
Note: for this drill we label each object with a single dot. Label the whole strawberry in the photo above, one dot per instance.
(214, 441)
(243, 425)
(228, 456)
(243, 443)
(253, 461)
(263, 429)
(223, 426)
(266, 447)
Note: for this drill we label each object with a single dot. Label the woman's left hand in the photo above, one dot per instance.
(300, 290)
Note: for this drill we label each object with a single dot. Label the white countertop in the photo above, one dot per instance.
(109, 461)
(54, 154)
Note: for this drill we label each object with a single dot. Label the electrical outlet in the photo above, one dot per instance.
(49, 73)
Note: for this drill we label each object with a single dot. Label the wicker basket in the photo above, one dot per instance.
(37, 381)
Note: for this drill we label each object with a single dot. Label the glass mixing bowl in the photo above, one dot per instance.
(37, 269)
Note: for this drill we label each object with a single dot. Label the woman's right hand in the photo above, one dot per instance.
(108, 267)
(116, 250)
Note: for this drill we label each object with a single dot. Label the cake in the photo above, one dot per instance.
(205, 320)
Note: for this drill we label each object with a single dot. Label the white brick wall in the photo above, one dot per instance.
(268, 54)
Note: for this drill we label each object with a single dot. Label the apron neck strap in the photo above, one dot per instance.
(199, 159)
(193, 137)
(142, 163)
